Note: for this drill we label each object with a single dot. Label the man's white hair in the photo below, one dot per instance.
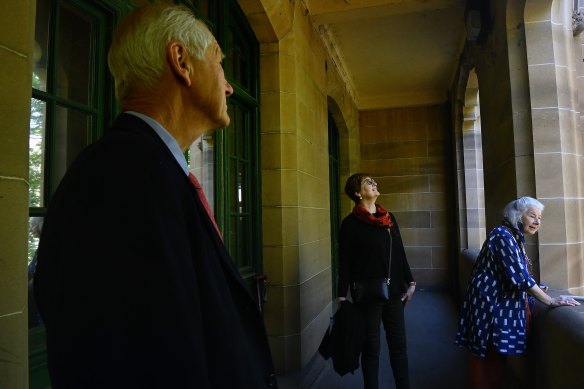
(138, 51)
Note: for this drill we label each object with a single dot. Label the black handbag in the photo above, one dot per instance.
(373, 290)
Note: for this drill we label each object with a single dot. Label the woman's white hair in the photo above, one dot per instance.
(515, 210)
(138, 51)
(36, 225)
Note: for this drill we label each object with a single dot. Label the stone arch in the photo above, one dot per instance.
(347, 122)
(474, 201)
(341, 124)
(469, 160)
(270, 24)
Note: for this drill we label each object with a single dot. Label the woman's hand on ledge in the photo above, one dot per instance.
(551, 302)
(562, 301)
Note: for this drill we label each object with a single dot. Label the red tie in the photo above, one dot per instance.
(201, 194)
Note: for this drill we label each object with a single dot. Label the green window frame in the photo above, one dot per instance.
(72, 102)
(239, 205)
(236, 189)
(65, 90)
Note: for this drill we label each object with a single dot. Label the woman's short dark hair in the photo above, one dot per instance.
(354, 185)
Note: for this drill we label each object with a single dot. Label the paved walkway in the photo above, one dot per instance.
(435, 362)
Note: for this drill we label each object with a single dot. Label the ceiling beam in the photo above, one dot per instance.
(430, 97)
(337, 11)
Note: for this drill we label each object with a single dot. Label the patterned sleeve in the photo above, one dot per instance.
(505, 248)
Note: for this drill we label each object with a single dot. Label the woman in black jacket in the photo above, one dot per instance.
(368, 237)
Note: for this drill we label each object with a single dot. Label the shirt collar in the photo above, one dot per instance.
(168, 139)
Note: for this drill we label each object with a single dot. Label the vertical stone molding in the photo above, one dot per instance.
(557, 139)
(296, 79)
(16, 47)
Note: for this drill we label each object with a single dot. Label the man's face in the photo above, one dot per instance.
(210, 89)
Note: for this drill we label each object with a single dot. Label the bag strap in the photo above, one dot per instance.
(390, 253)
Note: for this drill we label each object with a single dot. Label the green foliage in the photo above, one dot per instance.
(33, 243)
(36, 148)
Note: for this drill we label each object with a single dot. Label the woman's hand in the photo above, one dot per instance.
(340, 300)
(409, 293)
(551, 302)
(563, 301)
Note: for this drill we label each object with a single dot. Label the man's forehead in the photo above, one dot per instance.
(216, 49)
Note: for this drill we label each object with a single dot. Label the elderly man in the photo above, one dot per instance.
(134, 284)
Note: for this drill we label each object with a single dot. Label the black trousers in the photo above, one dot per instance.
(392, 316)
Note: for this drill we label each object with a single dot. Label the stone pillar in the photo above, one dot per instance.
(16, 42)
(295, 200)
(298, 84)
(557, 138)
(280, 202)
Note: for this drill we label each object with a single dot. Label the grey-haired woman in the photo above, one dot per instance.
(495, 314)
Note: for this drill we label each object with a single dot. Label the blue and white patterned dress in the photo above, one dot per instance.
(494, 304)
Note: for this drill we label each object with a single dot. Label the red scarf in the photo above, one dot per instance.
(382, 221)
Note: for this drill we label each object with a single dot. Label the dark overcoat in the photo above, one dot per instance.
(134, 285)
(344, 340)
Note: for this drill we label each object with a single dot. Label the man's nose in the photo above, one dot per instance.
(228, 89)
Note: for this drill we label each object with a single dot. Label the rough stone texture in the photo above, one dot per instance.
(16, 43)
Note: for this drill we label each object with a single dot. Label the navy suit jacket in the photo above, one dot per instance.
(133, 283)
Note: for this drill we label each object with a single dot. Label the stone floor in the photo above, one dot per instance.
(435, 362)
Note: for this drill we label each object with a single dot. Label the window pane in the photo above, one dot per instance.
(36, 152)
(201, 164)
(235, 189)
(238, 130)
(232, 110)
(41, 45)
(241, 131)
(240, 240)
(70, 137)
(75, 47)
(34, 233)
(242, 188)
(238, 57)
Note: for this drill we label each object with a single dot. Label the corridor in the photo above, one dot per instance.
(435, 362)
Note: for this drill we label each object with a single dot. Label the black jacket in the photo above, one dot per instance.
(344, 340)
(364, 253)
(134, 285)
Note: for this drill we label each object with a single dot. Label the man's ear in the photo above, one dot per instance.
(179, 62)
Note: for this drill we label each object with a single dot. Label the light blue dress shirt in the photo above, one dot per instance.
(168, 139)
